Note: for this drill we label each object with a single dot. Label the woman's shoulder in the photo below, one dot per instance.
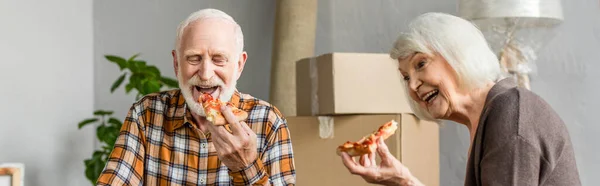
(520, 113)
(524, 110)
(538, 120)
(524, 106)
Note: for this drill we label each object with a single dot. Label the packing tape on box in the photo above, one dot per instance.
(326, 127)
(314, 85)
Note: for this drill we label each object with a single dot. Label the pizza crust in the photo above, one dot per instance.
(212, 109)
(368, 144)
(218, 119)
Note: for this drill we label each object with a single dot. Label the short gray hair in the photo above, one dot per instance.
(458, 41)
(211, 13)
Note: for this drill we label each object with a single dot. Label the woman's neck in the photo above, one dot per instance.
(468, 108)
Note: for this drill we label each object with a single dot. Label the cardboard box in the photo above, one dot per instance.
(349, 83)
(415, 144)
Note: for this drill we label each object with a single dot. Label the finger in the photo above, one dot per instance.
(218, 131)
(232, 120)
(217, 143)
(250, 135)
(383, 151)
(372, 159)
(351, 165)
(362, 160)
(365, 160)
(222, 148)
(247, 128)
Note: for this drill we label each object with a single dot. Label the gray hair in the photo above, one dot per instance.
(459, 42)
(206, 14)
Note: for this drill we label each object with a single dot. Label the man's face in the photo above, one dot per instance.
(208, 62)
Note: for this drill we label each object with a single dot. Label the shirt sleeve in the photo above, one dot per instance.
(507, 157)
(277, 165)
(125, 165)
(515, 163)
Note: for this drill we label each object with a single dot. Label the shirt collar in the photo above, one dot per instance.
(500, 87)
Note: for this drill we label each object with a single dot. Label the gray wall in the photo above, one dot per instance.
(568, 74)
(568, 68)
(46, 77)
(148, 27)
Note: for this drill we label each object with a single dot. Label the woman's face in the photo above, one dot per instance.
(431, 81)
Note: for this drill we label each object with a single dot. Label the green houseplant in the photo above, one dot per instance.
(144, 79)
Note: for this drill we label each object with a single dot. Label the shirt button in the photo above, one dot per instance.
(203, 145)
(202, 180)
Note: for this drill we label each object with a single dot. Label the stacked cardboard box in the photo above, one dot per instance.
(344, 96)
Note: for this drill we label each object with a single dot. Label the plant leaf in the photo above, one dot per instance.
(111, 134)
(118, 60)
(133, 57)
(102, 112)
(141, 86)
(152, 87)
(97, 154)
(117, 83)
(169, 82)
(101, 133)
(128, 87)
(107, 149)
(87, 121)
(115, 122)
(108, 134)
(94, 166)
(137, 66)
(152, 71)
(135, 81)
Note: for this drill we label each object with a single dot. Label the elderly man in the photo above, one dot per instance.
(166, 139)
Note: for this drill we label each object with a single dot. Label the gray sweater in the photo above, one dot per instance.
(520, 140)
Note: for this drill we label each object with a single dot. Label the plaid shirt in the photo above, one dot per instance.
(160, 145)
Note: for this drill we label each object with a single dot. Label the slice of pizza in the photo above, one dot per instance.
(212, 108)
(368, 144)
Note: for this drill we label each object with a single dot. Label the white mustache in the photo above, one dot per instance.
(195, 81)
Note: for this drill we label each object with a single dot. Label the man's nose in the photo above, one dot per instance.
(207, 70)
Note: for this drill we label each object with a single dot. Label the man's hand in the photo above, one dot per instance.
(236, 150)
(389, 172)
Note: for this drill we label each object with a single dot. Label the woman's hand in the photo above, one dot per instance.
(389, 172)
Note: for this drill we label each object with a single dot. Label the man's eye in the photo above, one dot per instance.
(194, 58)
(219, 60)
(406, 78)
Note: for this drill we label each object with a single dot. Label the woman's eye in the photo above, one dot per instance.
(406, 78)
(420, 64)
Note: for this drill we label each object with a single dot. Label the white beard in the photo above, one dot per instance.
(225, 93)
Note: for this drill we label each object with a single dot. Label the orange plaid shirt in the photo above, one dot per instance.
(160, 145)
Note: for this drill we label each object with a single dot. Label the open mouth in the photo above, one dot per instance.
(428, 98)
(205, 89)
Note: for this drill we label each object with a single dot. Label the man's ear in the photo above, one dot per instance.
(175, 64)
(241, 63)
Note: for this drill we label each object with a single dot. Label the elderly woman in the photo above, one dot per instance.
(451, 74)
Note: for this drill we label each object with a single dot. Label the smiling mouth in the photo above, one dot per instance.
(428, 98)
(204, 89)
